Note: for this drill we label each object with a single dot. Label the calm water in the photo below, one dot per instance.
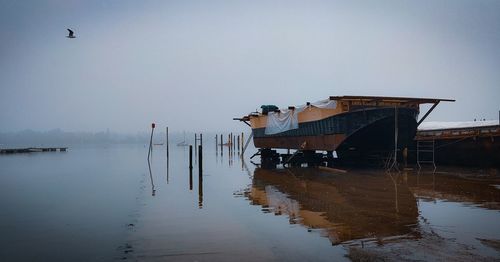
(102, 203)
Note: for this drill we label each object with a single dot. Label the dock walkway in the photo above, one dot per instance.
(32, 150)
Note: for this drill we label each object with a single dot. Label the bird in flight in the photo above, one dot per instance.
(71, 34)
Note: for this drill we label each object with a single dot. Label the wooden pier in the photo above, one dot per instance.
(32, 150)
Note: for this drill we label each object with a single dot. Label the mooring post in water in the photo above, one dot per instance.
(216, 145)
(221, 145)
(151, 140)
(238, 143)
(395, 159)
(190, 157)
(201, 139)
(190, 167)
(167, 141)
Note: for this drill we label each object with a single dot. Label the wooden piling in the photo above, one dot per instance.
(221, 144)
(190, 167)
(238, 143)
(167, 142)
(190, 157)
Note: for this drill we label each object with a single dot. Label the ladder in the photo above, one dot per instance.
(425, 153)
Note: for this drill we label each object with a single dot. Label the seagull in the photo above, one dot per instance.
(71, 34)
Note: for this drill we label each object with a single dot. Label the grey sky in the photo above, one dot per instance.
(194, 65)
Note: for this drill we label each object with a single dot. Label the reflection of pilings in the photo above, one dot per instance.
(153, 191)
(168, 167)
(200, 159)
(395, 192)
(190, 179)
(200, 176)
(242, 140)
(200, 192)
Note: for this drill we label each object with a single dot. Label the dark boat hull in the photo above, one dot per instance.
(472, 151)
(354, 134)
(467, 146)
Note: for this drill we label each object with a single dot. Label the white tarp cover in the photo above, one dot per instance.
(282, 121)
(447, 125)
(287, 119)
(327, 104)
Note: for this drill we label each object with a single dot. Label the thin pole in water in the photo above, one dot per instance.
(190, 157)
(151, 140)
(190, 167)
(167, 142)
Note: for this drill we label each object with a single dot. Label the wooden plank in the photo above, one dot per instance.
(333, 170)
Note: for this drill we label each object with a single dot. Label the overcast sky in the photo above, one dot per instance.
(194, 65)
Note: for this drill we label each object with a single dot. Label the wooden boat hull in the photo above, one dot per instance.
(351, 133)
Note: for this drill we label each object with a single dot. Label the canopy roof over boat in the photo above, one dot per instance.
(371, 99)
(453, 125)
(390, 99)
(399, 100)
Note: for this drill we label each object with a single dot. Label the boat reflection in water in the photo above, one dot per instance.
(344, 207)
(364, 206)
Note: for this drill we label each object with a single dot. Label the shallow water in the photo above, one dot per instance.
(102, 203)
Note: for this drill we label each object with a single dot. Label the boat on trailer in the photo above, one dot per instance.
(357, 128)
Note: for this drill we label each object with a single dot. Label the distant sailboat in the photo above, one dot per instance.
(183, 143)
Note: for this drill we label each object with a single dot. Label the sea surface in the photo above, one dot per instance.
(108, 202)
